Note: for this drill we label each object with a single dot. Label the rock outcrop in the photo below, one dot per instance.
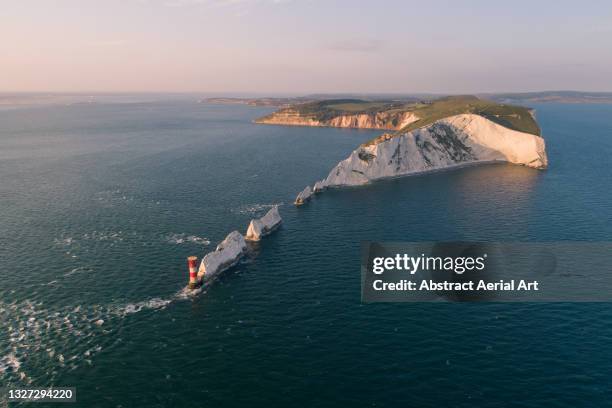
(318, 187)
(226, 255)
(391, 120)
(449, 142)
(303, 196)
(263, 226)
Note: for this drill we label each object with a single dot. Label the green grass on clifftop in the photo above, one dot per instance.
(331, 108)
(510, 116)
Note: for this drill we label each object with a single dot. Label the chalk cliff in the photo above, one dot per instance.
(453, 141)
(226, 255)
(263, 226)
(391, 120)
(303, 196)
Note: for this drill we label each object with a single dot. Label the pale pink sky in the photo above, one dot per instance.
(304, 46)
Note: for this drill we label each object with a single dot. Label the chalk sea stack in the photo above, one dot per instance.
(263, 226)
(226, 255)
(303, 196)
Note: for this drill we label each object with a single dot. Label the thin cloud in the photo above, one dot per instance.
(357, 45)
(216, 3)
(106, 43)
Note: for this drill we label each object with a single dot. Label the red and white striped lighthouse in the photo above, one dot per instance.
(193, 273)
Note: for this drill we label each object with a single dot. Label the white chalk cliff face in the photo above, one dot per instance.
(374, 120)
(227, 254)
(453, 141)
(263, 226)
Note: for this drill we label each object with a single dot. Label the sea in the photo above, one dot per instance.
(101, 203)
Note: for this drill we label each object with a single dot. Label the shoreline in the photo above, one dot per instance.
(428, 171)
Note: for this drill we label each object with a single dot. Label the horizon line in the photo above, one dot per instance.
(92, 92)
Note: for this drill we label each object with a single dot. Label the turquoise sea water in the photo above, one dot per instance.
(101, 204)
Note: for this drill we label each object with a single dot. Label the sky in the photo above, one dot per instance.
(304, 46)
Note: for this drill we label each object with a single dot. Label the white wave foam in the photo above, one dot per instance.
(10, 361)
(63, 337)
(63, 241)
(34, 333)
(70, 243)
(255, 208)
(78, 270)
(111, 197)
(114, 236)
(184, 238)
(155, 303)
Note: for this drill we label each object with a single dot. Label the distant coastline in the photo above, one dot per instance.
(25, 99)
(514, 98)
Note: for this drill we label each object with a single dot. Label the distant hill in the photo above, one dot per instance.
(506, 97)
(267, 101)
(551, 96)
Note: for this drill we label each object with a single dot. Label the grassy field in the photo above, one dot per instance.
(359, 106)
(510, 116)
(328, 109)
(332, 108)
